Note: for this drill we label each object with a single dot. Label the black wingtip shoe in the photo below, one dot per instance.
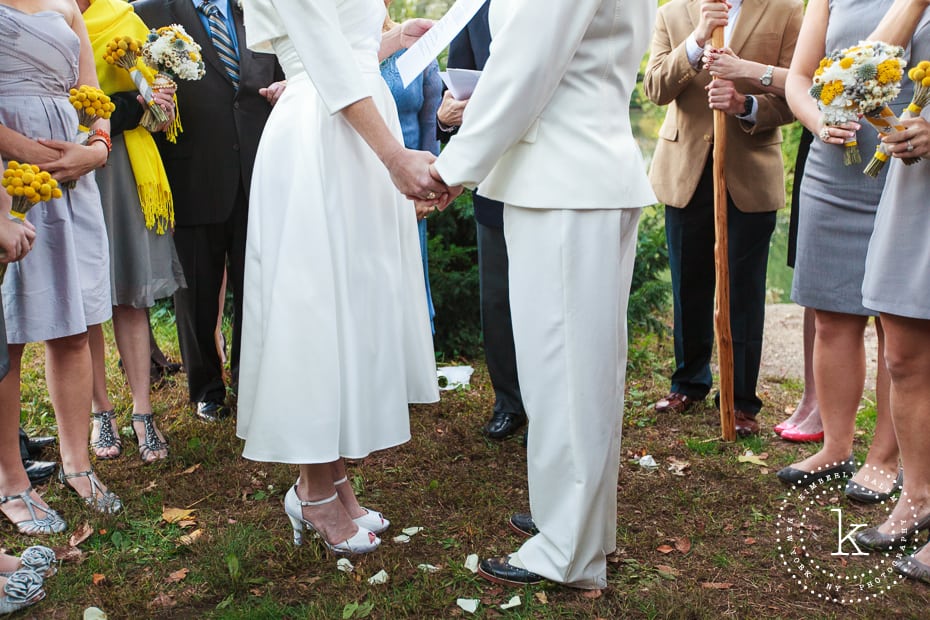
(501, 571)
(522, 523)
(502, 425)
(212, 411)
(39, 472)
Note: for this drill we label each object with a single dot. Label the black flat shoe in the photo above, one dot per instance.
(865, 495)
(39, 472)
(799, 477)
(503, 425)
(500, 570)
(912, 568)
(212, 411)
(522, 523)
(874, 540)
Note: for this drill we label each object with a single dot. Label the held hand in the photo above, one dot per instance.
(451, 193)
(75, 160)
(165, 98)
(722, 95)
(450, 110)
(16, 238)
(273, 91)
(723, 63)
(410, 174)
(837, 134)
(914, 141)
(412, 29)
(714, 14)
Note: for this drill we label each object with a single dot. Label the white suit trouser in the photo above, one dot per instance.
(570, 273)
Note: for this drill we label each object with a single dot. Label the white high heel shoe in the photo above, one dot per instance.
(372, 519)
(363, 541)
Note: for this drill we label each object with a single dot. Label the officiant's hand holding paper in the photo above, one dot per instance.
(450, 110)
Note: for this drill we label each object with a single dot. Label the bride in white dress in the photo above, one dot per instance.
(336, 337)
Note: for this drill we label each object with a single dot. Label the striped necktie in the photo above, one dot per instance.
(222, 41)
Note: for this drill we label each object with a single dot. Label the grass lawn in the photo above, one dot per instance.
(702, 542)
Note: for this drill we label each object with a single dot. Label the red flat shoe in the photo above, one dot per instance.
(782, 427)
(791, 434)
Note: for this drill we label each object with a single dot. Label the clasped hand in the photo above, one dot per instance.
(722, 95)
(414, 175)
(16, 238)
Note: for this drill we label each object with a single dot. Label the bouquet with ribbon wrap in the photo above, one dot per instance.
(124, 52)
(91, 104)
(174, 55)
(28, 185)
(920, 76)
(857, 81)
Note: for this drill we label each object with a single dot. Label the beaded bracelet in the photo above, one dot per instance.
(99, 135)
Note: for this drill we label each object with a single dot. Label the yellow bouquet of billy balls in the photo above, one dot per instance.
(28, 185)
(91, 104)
(919, 74)
(124, 52)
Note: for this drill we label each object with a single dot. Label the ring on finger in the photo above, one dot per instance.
(431, 196)
(910, 147)
(825, 134)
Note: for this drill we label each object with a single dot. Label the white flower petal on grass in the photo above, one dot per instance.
(648, 463)
(428, 568)
(410, 531)
(401, 538)
(468, 604)
(513, 602)
(471, 562)
(344, 565)
(94, 613)
(380, 577)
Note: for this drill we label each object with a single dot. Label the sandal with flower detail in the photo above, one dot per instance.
(106, 502)
(22, 589)
(51, 523)
(106, 438)
(372, 519)
(363, 541)
(39, 559)
(152, 443)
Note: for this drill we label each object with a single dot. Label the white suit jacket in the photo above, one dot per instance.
(548, 125)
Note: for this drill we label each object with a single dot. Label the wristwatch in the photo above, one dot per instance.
(766, 79)
(747, 106)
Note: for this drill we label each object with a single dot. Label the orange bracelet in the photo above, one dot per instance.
(99, 135)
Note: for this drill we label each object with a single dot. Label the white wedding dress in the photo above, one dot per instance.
(336, 336)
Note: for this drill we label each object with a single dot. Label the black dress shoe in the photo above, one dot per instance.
(522, 523)
(874, 540)
(801, 478)
(865, 495)
(39, 471)
(500, 570)
(212, 411)
(503, 425)
(35, 445)
(912, 568)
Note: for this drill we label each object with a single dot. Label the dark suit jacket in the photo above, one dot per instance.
(470, 50)
(222, 126)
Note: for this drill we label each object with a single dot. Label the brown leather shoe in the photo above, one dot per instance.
(674, 402)
(746, 424)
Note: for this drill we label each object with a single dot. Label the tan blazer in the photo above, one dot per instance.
(548, 125)
(766, 32)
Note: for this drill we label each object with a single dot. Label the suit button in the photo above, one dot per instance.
(236, 105)
(235, 147)
(708, 137)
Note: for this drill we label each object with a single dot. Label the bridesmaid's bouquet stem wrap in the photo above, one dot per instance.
(124, 52)
(91, 104)
(28, 185)
(858, 80)
(920, 76)
(174, 55)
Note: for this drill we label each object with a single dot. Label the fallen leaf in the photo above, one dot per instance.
(173, 515)
(81, 533)
(94, 613)
(542, 598)
(344, 565)
(190, 539)
(750, 541)
(151, 486)
(163, 601)
(231, 521)
(380, 577)
(677, 467)
(749, 457)
(468, 604)
(191, 469)
(99, 578)
(102, 532)
(668, 570)
(256, 591)
(716, 585)
(665, 549)
(471, 562)
(68, 554)
(513, 602)
(683, 544)
(177, 575)
(592, 594)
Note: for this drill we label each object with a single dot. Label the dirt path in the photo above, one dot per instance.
(782, 352)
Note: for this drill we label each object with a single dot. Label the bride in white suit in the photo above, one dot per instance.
(547, 132)
(336, 337)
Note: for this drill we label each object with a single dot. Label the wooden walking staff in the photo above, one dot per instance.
(721, 259)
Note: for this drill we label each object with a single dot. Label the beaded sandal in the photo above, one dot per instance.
(372, 519)
(152, 443)
(22, 589)
(37, 558)
(106, 438)
(102, 501)
(51, 523)
(363, 541)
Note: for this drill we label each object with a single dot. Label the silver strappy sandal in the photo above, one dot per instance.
(37, 558)
(106, 502)
(152, 443)
(51, 523)
(22, 589)
(106, 438)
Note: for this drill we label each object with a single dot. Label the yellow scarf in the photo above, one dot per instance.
(105, 20)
